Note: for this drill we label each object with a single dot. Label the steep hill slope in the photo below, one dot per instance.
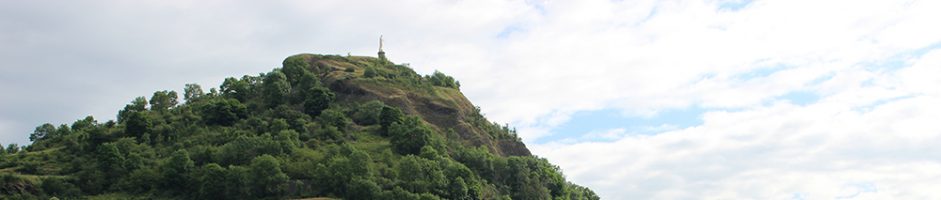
(444, 107)
(322, 126)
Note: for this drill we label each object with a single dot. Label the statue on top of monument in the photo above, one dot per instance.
(382, 54)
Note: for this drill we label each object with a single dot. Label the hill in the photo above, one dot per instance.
(320, 127)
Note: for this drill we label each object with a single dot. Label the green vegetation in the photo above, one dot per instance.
(322, 126)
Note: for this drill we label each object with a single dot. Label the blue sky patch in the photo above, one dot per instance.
(798, 196)
(539, 5)
(858, 189)
(800, 97)
(823, 78)
(873, 105)
(653, 12)
(900, 60)
(760, 72)
(586, 122)
(509, 30)
(734, 5)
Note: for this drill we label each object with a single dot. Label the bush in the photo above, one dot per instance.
(138, 123)
(420, 175)
(59, 187)
(334, 118)
(244, 148)
(276, 88)
(362, 189)
(442, 80)
(319, 99)
(368, 113)
(224, 112)
(370, 72)
(389, 116)
(409, 136)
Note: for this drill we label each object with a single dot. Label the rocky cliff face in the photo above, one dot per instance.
(447, 109)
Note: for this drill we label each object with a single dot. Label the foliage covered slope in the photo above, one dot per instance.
(320, 126)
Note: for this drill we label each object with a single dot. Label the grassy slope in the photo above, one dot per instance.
(444, 108)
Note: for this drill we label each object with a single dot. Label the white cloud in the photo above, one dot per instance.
(829, 149)
(648, 56)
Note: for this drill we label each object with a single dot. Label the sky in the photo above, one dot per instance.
(636, 99)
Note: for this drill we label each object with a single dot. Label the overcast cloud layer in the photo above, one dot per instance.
(795, 99)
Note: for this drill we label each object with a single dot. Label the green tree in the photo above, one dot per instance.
(244, 148)
(442, 80)
(318, 99)
(334, 118)
(370, 72)
(368, 113)
(400, 194)
(212, 182)
(236, 88)
(389, 116)
(302, 88)
(276, 88)
(13, 148)
(224, 112)
(429, 153)
(84, 124)
(527, 177)
(59, 187)
(288, 139)
(409, 136)
(42, 131)
(267, 177)
(192, 92)
(139, 104)
(420, 175)
(111, 161)
(478, 159)
(177, 172)
(238, 183)
(138, 123)
(361, 163)
(141, 180)
(362, 189)
(163, 100)
(294, 68)
(457, 189)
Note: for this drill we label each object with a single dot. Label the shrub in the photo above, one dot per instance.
(409, 136)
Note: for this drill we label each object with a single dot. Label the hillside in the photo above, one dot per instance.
(319, 127)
